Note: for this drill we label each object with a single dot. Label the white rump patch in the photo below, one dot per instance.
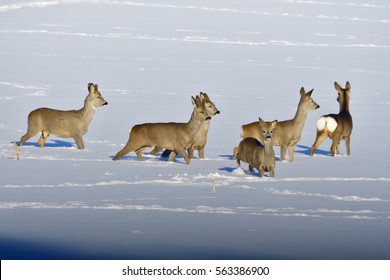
(321, 123)
(328, 122)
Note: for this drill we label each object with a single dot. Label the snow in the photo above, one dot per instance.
(149, 57)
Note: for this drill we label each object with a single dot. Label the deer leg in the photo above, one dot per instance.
(283, 152)
(42, 139)
(238, 162)
(347, 144)
(30, 133)
(166, 153)
(139, 151)
(271, 171)
(183, 153)
(125, 150)
(250, 167)
(172, 156)
(338, 149)
(235, 153)
(79, 142)
(190, 152)
(261, 171)
(321, 136)
(291, 153)
(155, 151)
(335, 144)
(201, 152)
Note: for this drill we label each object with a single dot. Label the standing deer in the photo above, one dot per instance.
(200, 138)
(65, 124)
(286, 134)
(258, 155)
(177, 137)
(336, 126)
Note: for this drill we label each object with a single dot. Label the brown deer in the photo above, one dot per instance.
(177, 137)
(336, 126)
(258, 155)
(286, 134)
(200, 139)
(65, 124)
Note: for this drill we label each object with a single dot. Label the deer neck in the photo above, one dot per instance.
(268, 148)
(344, 106)
(300, 118)
(88, 110)
(194, 123)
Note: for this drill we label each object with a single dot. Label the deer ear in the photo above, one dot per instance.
(96, 86)
(348, 86)
(206, 97)
(193, 100)
(91, 88)
(310, 92)
(261, 122)
(274, 124)
(302, 92)
(337, 86)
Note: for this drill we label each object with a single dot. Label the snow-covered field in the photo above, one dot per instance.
(149, 57)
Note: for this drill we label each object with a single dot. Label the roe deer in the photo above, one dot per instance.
(286, 134)
(258, 155)
(200, 138)
(336, 126)
(173, 136)
(65, 124)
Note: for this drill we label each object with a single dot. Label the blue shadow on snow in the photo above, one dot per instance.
(306, 150)
(50, 144)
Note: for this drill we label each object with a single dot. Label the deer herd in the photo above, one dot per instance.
(256, 148)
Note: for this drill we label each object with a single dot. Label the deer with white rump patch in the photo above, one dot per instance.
(177, 137)
(286, 134)
(200, 138)
(258, 155)
(65, 124)
(336, 126)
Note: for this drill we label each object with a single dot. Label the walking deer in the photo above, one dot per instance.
(177, 137)
(336, 126)
(286, 134)
(200, 138)
(258, 155)
(65, 124)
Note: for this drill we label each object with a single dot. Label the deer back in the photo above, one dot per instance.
(67, 123)
(343, 118)
(170, 135)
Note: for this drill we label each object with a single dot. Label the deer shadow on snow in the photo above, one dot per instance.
(302, 150)
(255, 172)
(306, 151)
(152, 158)
(52, 144)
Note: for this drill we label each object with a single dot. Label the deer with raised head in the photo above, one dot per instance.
(258, 155)
(336, 126)
(200, 138)
(65, 124)
(176, 137)
(286, 134)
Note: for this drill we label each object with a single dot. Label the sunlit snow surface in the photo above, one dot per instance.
(149, 58)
